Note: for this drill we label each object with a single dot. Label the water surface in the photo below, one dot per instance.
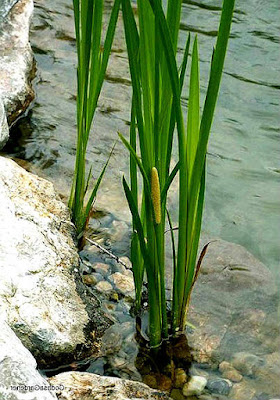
(242, 195)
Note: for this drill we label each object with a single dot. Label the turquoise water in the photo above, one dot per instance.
(242, 196)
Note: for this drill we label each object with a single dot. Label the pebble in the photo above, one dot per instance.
(104, 287)
(243, 391)
(101, 268)
(180, 378)
(127, 262)
(89, 279)
(229, 372)
(219, 386)
(233, 375)
(123, 283)
(195, 386)
(247, 363)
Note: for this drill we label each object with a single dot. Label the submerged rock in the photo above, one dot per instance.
(219, 386)
(38, 293)
(17, 368)
(16, 58)
(85, 386)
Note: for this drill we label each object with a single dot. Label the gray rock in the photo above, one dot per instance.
(38, 295)
(219, 386)
(18, 367)
(16, 58)
(86, 386)
(4, 129)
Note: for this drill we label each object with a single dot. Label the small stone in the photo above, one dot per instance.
(126, 261)
(247, 363)
(180, 378)
(233, 375)
(219, 386)
(101, 268)
(229, 372)
(224, 366)
(123, 283)
(104, 287)
(195, 386)
(129, 273)
(243, 391)
(89, 279)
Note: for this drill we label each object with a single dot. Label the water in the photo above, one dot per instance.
(242, 196)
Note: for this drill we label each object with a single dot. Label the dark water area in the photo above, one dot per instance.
(242, 195)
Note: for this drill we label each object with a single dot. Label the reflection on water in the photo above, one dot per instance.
(243, 163)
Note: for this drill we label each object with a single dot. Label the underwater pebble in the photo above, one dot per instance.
(229, 372)
(123, 283)
(195, 386)
(180, 378)
(101, 268)
(243, 391)
(129, 273)
(233, 375)
(247, 363)
(89, 279)
(104, 287)
(126, 261)
(219, 386)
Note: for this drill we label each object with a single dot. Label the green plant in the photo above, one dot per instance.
(156, 112)
(92, 63)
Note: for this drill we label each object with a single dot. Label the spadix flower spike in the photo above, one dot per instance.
(155, 193)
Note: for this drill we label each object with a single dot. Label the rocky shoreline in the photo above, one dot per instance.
(60, 307)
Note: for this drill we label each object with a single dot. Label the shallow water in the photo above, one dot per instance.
(243, 163)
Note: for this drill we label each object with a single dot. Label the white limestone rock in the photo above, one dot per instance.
(16, 57)
(86, 386)
(38, 295)
(18, 367)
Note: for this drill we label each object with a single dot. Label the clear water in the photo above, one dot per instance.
(242, 197)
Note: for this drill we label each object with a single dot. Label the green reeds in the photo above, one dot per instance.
(156, 113)
(92, 63)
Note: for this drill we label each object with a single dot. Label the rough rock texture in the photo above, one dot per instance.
(86, 386)
(18, 367)
(38, 293)
(16, 59)
(4, 129)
